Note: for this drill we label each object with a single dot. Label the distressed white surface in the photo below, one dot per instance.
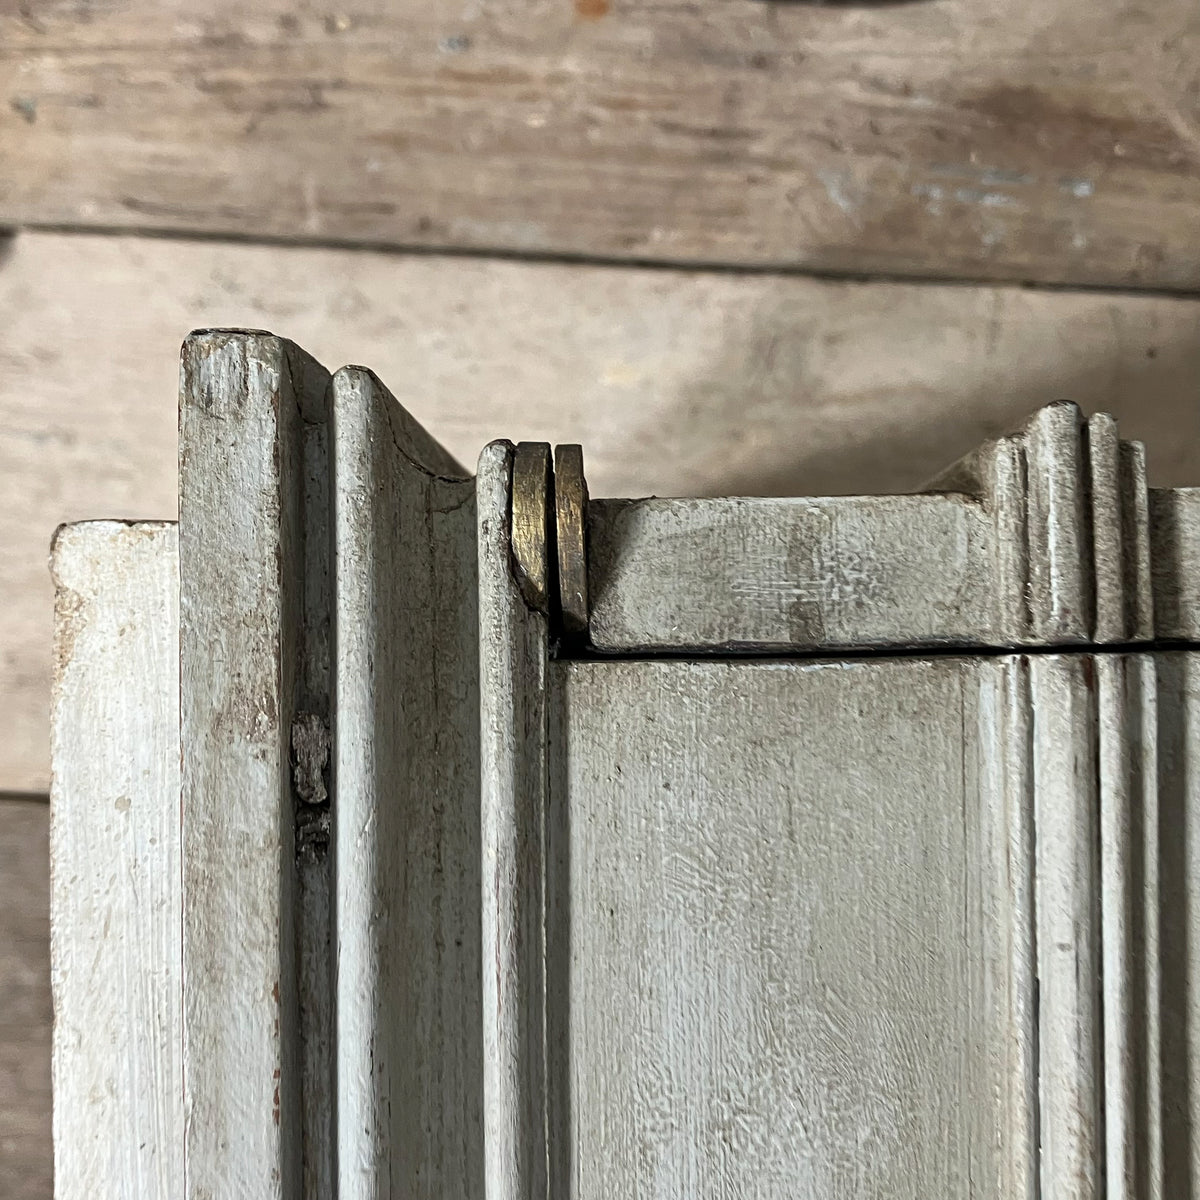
(406, 833)
(115, 873)
(1038, 538)
(843, 928)
(1128, 716)
(775, 573)
(1178, 750)
(244, 670)
(1067, 907)
(513, 649)
(791, 952)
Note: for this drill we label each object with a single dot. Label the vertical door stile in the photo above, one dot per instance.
(513, 651)
(1066, 900)
(253, 720)
(406, 812)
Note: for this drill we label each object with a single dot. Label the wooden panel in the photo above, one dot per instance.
(1010, 140)
(115, 841)
(799, 933)
(1178, 763)
(25, 1012)
(843, 923)
(675, 382)
(254, 641)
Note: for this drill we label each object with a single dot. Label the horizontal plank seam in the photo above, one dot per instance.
(610, 262)
(24, 798)
(833, 654)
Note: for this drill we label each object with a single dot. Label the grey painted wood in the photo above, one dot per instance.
(1128, 716)
(406, 830)
(1178, 778)
(115, 849)
(1010, 140)
(793, 955)
(776, 574)
(846, 926)
(253, 546)
(460, 915)
(1037, 538)
(513, 653)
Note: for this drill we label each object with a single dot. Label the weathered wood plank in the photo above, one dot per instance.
(406, 832)
(513, 654)
(1013, 140)
(253, 642)
(1040, 537)
(676, 383)
(115, 842)
(26, 1162)
(797, 948)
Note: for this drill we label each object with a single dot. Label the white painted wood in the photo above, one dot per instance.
(406, 829)
(115, 854)
(460, 917)
(513, 652)
(1128, 718)
(251, 650)
(793, 948)
(811, 907)
(1038, 538)
(780, 574)
(1178, 755)
(1067, 902)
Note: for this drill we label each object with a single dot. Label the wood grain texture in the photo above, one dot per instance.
(1041, 538)
(513, 654)
(117, 964)
(252, 649)
(1067, 904)
(1128, 716)
(406, 828)
(1178, 779)
(796, 954)
(685, 383)
(1015, 140)
(26, 1159)
(796, 911)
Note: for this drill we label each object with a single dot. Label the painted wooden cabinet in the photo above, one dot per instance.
(424, 835)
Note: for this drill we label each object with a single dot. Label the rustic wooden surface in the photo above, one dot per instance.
(115, 845)
(675, 382)
(406, 835)
(965, 799)
(514, 646)
(25, 1012)
(253, 652)
(1040, 537)
(746, 908)
(1013, 139)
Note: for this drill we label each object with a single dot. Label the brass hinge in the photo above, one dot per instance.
(548, 535)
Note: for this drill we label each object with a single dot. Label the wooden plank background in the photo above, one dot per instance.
(1006, 139)
(652, 212)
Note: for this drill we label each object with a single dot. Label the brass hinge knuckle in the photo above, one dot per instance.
(548, 534)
